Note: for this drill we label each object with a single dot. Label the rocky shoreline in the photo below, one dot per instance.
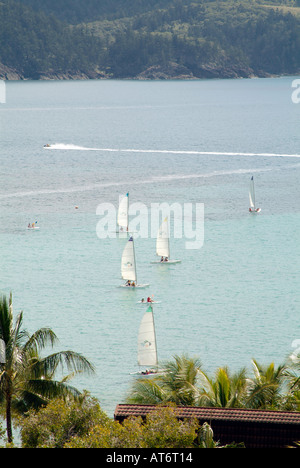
(180, 72)
(12, 74)
(170, 71)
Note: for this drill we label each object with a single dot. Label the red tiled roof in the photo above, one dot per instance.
(221, 414)
(253, 428)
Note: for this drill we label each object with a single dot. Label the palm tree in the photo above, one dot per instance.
(27, 380)
(180, 377)
(291, 375)
(265, 389)
(177, 383)
(226, 391)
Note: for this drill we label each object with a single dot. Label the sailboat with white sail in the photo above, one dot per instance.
(128, 266)
(147, 348)
(163, 244)
(122, 219)
(252, 208)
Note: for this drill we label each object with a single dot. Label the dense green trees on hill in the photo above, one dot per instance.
(34, 43)
(148, 39)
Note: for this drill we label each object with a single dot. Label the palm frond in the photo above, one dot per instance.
(6, 320)
(48, 389)
(40, 339)
(147, 391)
(71, 360)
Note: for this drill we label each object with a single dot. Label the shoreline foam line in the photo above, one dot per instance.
(61, 146)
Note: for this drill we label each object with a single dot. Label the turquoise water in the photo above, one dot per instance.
(234, 299)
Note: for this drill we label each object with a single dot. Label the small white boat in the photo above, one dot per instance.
(163, 245)
(128, 267)
(252, 208)
(147, 348)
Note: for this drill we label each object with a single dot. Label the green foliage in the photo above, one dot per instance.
(56, 424)
(34, 43)
(82, 424)
(123, 38)
(69, 423)
(205, 437)
(184, 382)
(264, 390)
(162, 429)
(27, 380)
(177, 383)
(224, 390)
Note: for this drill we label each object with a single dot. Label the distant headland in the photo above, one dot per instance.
(153, 40)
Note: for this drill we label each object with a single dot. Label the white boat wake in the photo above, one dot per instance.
(63, 146)
(157, 179)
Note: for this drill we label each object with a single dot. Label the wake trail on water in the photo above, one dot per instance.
(128, 183)
(150, 180)
(63, 146)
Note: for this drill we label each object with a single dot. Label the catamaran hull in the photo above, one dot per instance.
(258, 210)
(165, 263)
(137, 286)
(149, 303)
(145, 373)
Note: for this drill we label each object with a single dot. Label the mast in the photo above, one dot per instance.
(252, 194)
(134, 262)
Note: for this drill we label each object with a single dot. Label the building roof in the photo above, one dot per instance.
(253, 428)
(226, 414)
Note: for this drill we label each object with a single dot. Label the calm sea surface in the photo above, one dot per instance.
(234, 299)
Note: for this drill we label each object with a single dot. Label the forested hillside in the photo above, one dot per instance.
(148, 39)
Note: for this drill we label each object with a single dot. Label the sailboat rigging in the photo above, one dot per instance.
(252, 208)
(163, 244)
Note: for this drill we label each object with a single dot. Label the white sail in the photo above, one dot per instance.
(128, 267)
(252, 208)
(147, 352)
(163, 244)
(123, 212)
(252, 194)
(163, 240)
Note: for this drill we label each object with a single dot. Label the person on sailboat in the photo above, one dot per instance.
(149, 299)
(128, 283)
(166, 259)
(133, 284)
